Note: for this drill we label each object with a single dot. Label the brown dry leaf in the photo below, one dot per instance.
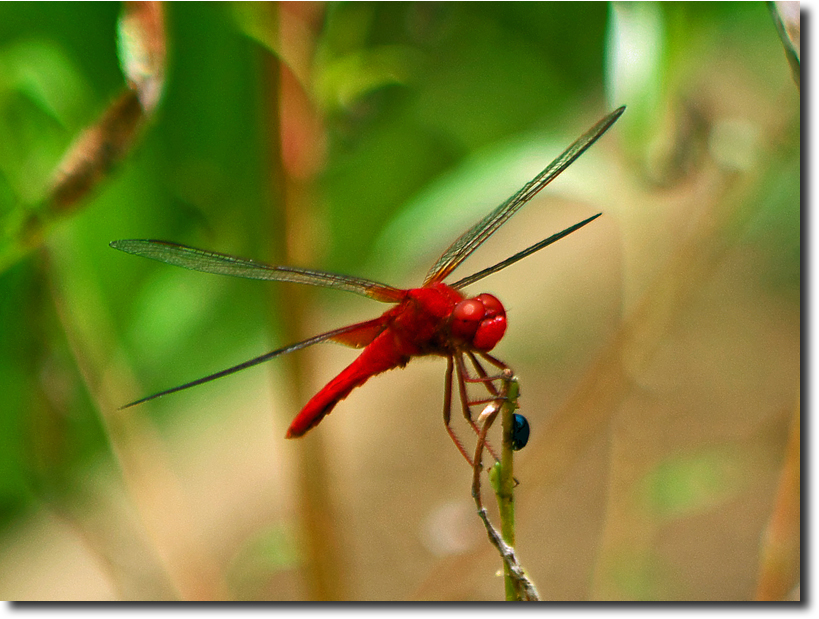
(97, 151)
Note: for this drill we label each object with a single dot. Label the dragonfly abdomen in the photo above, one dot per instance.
(380, 355)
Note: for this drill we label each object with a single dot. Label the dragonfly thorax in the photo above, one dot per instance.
(436, 319)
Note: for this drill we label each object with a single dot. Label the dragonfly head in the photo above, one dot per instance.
(480, 321)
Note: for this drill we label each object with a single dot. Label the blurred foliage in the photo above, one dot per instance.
(431, 114)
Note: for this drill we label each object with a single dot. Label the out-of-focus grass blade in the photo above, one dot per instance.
(786, 19)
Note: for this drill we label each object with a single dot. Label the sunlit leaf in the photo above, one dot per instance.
(343, 81)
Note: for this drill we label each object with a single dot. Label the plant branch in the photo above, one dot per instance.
(517, 584)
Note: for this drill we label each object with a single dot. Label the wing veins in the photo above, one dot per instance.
(224, 264)
(466, 281)
(470, 240)
(257, 360)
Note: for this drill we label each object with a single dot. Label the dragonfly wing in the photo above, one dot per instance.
(330, 335)
(466, 281)
(470, 240)
(223, 264)
(362, 336)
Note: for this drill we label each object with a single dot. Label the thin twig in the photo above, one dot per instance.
(517, 584)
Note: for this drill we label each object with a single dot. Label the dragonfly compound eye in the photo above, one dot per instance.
(434, 319)
(493, 324)
(466, 318)
(491, 305)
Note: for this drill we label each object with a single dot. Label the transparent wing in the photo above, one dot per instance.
(521, 254)
(470, 240)
(223, 264)
(367, 327)
(362, 336)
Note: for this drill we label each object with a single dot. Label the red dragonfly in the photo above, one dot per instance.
(435, 319)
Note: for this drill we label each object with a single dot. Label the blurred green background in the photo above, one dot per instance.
(658, 349)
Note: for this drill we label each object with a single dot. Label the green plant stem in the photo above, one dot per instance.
(517, 585)
(505, 487)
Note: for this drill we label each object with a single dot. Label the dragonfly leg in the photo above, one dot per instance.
(484, 377)
(489, 381)
(448, 410)
(486, 380)
(494, 361)
(489, 415)
(466, 403)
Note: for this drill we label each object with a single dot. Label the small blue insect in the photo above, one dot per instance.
(520, 432)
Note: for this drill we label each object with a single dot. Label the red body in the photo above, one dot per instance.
(434, 320)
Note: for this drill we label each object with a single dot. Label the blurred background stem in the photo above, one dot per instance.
(295, 138)
(659, 349)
